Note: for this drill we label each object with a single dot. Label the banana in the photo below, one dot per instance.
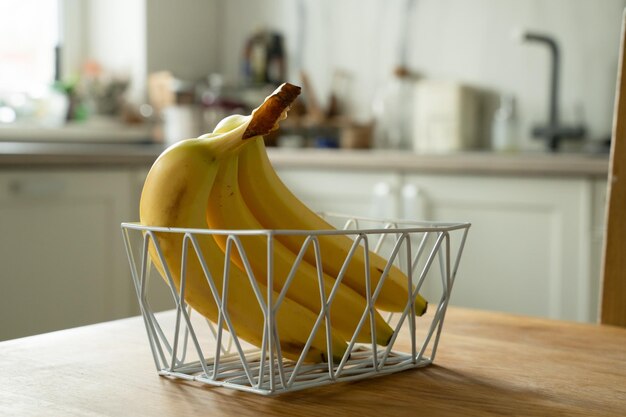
(275, 207)
(175, 194)
(228, 210)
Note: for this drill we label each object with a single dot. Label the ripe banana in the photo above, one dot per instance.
(175, 194)
(275, 207)
(228, 210)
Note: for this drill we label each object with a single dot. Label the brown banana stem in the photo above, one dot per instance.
(265, 118)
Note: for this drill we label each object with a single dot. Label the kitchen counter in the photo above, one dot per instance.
(101, 129)
(487, 364)
(537, 163)
(22, 153)
(31, 154)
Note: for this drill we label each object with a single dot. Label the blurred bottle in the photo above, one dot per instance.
(218, 103)
(276, 65)
(214, 110)
(392, 110)
(55, 110)
(504, 131)
(182, 115)
(264, 60)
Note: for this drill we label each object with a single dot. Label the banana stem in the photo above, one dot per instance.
(266, 117)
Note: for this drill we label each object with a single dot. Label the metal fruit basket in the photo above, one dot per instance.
(187, 346)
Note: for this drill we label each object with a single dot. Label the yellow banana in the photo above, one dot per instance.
(175, 194)
(227, 210)
(275, 207)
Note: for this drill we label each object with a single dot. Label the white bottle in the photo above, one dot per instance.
(504, 126)
(392, 108)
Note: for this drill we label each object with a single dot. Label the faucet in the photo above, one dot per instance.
(553, 132)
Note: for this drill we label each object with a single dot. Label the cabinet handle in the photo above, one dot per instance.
(413, 203)
(36, 187)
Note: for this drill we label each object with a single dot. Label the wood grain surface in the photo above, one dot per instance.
(488, 364)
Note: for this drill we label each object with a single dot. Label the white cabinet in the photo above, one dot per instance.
(359, 193)
(534, 245)
(529, 248)
(61, 253)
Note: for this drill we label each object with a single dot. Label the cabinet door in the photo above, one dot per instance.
(528, 250)
(61, 250)
(353, 193)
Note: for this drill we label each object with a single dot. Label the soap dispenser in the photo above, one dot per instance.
(504, 126)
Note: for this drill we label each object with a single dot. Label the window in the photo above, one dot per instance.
(30, 34)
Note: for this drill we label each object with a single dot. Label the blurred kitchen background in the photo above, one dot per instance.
(489, 111)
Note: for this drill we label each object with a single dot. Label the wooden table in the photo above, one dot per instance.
(487, 364)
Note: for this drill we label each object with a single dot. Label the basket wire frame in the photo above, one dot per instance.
(263, 370)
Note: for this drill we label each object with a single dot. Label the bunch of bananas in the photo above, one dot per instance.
(224, 180)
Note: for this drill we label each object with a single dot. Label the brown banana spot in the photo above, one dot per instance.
(175, 203)
(293, 346)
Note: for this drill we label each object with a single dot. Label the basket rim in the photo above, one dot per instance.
(391, 226)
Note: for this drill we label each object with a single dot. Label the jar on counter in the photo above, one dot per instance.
(504, 129)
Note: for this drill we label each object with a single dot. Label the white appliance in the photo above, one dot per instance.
(445, 117)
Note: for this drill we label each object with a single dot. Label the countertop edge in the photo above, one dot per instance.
(527, 164)
(31, 154)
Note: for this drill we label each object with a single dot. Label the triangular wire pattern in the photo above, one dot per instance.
(425, 251)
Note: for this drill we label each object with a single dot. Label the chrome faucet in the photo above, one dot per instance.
(553, 132)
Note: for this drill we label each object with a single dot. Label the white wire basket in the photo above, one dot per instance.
(185, 345)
